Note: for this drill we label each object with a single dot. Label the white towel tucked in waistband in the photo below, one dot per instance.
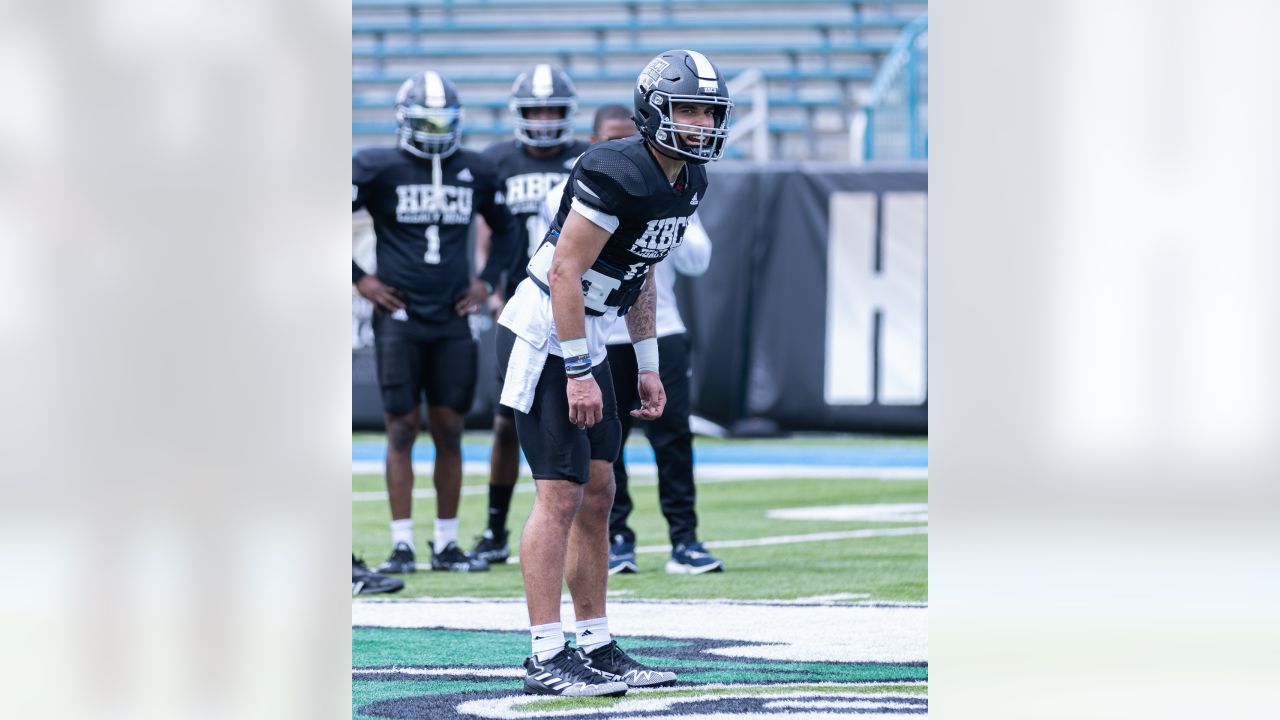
(528, 315)
(524, 368)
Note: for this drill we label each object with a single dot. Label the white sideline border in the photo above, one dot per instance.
(786, 539)
(798, 633)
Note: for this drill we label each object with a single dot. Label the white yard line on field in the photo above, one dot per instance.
(789, 539)
(645, 475)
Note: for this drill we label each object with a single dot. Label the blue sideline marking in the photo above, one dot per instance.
(905, 457)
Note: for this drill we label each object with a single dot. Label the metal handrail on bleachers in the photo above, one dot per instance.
(750, 89)
(900, 64)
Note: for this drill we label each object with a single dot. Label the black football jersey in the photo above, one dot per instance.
(621, 178)
(422, 238)
(523, 182)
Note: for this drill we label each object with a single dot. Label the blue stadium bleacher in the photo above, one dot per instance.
(616, 75)
(816, 57)
(416, 26)
(633, 6)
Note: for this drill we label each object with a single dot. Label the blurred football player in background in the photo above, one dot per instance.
(542, 105)
(422, 195)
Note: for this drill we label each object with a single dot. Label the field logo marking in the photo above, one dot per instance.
(485, 682)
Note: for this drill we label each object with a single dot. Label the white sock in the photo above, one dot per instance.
(402, 531)
(593, 633)
(547, 640)
(446, 532)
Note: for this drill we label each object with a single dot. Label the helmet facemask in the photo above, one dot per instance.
(671, 135)
(543, 133)
(429, 132)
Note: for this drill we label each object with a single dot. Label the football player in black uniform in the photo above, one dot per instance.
(543, 101)
(670, 435)
(624, 208)
(422, 195)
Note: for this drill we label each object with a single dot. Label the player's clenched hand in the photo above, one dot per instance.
(585, 404)
(380, 294)
(473, 298)
(653, 397)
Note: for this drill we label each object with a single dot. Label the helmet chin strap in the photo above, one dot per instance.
(663, 151)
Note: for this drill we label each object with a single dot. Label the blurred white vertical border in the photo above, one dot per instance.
(174, 497)
(1103, 393)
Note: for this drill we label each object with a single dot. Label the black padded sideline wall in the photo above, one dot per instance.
(813, 313)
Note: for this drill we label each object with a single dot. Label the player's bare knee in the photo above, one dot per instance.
(598, 498)
(558, 498)
(446, 431)
(598, 503)
(402, 430)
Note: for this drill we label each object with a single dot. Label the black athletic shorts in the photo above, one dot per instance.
(415, 356)
(556, 448)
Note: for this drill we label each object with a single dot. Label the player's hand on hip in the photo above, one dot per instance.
(473, 299)
(380, 294)
(653, 397)
(586, 407)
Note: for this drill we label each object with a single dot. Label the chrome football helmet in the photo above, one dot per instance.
(545, 86)
(429, 116)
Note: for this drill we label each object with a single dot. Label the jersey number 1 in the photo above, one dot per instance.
(432, 256)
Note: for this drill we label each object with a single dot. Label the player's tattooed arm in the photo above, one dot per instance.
(642, 324)
(642, 320)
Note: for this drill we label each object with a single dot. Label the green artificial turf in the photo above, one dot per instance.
(880, 568)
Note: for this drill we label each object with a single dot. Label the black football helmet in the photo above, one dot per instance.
(682, 76)
(543, 86)
(429, 114)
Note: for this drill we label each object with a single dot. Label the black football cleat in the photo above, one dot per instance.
(452, 559)
(492, 548)
(367, 582)
(401, 560)
(566, 675)
(611, 660)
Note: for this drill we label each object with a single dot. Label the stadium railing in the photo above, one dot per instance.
(893, 124)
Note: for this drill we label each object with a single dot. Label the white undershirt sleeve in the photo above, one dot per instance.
(603, 219)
